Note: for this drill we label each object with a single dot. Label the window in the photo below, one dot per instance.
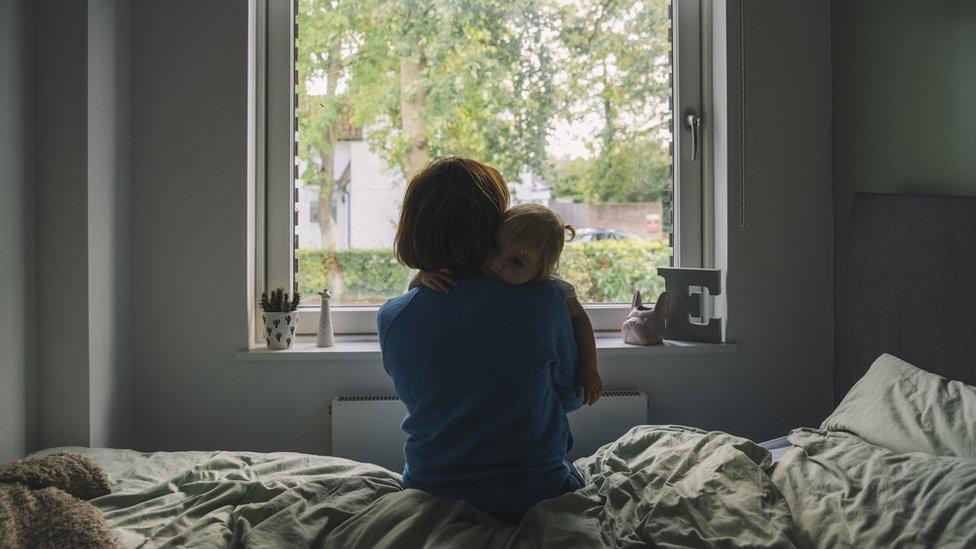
(588, 107)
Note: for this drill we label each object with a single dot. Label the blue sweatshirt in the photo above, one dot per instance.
(486, 373)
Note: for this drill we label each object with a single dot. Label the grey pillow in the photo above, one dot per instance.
(906, 409)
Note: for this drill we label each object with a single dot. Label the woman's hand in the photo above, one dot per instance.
(441, 280)
(589, 384)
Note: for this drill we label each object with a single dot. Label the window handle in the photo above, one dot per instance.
(693, 123)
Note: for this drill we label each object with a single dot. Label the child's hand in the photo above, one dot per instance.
(441, 280)
(589, 385)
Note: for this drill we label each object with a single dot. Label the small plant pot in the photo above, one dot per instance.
(279, 329)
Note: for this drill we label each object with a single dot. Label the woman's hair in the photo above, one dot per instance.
(450, 215)
(537, 233)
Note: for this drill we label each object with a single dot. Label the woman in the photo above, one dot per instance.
(486, 371)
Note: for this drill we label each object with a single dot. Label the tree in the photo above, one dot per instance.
(618, 70)
(434, 77)
(324, 45)
(624, 171)
(486, 79)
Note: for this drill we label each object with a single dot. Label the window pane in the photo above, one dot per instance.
(569, 100)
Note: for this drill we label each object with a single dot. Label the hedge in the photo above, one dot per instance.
(603, 271)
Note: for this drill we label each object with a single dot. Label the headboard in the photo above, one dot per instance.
(907, 286)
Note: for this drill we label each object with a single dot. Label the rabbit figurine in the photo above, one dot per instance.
(645, 325)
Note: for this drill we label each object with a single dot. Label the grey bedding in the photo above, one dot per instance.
(893, 466)
(664, 486)
(655, 486)
(845, 492)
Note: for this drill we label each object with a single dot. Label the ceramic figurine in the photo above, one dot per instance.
(325, 337)
(645, 325)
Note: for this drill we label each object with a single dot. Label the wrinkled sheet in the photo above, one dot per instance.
(845, 492)
(223, 499)
(655, 486)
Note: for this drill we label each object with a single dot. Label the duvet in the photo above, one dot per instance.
(893, 466)
(846, 492)
(663, 486)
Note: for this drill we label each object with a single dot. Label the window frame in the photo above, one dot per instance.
(276, 164)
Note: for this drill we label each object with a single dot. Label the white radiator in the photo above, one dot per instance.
(367, 428)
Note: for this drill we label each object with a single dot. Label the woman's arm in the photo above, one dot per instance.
(588, 381)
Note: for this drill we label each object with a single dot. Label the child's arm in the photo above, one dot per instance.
(440, 280)
(588, 381)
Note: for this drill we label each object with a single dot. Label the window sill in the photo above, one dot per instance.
(362, 319)
(367, 348)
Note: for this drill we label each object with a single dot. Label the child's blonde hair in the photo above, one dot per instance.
(537, 233)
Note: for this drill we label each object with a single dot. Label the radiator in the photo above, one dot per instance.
(367, 428)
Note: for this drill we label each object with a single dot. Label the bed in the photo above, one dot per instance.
(893, 466)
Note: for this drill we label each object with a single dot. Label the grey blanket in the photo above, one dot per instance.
(666, 486)
(846, 492)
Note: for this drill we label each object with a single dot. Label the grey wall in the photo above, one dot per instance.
(110, 391)
(189, 251)
(189, 239)
(904, 83)
(61, 83)
(17, 389)
(82, 178)
(779, 242)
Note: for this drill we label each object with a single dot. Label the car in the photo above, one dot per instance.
(591, 235)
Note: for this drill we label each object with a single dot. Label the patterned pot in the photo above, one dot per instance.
(279, 329)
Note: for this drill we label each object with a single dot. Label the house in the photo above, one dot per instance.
(367, 208)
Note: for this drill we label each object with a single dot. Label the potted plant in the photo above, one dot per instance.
(279, 311)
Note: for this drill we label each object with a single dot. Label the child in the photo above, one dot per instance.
(529, 243)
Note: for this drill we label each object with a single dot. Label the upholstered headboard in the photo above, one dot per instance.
(907, 286)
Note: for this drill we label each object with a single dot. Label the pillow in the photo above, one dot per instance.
(906, 409)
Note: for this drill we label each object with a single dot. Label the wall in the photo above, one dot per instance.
(61, 82)
(189, 245)
(189, 250)
(632, 218)
(904, 79)
(109, 376)
(17, 388)
(375, 194)
(82, 163)
(779, 243)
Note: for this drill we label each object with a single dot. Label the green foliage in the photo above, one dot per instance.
(482, 84)
(488, 80)
(604, 271)
(627, 172)
(353, 276)
(635, 171)
(608, 271)
(279, 301)
(313, 273)
(619, 67)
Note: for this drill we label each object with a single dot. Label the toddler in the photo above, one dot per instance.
(529, 243)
